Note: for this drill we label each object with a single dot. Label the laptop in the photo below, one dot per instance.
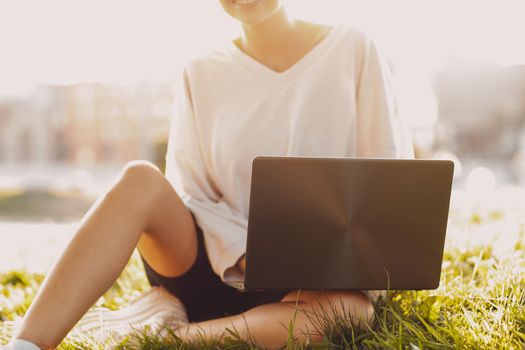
(346, 223)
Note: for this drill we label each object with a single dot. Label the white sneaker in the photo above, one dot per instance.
(156, 308)
(19, 344)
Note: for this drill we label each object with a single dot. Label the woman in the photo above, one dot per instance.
(285, 87)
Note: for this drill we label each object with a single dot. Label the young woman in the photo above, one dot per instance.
(285, 87)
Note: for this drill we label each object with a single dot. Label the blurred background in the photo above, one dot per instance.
(85, 86)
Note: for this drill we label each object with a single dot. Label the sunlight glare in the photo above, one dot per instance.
(64, 41)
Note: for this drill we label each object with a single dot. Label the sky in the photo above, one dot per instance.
(125, 41)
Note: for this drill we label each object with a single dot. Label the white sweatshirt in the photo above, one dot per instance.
(335, 102)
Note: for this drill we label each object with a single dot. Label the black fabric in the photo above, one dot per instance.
(204, 294)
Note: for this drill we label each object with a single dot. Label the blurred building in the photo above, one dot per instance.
(480, 119)
(85, 124)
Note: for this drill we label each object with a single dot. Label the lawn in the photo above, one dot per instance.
(480, 303)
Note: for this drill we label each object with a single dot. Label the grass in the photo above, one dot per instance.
(480, 303)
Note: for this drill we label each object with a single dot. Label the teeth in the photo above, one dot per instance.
(245, 2)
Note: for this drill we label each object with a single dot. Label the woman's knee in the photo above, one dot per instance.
(140, 183)
(141, 170)
(142, 175)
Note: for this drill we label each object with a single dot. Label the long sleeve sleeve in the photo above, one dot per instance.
(381, 131)
(224, 229)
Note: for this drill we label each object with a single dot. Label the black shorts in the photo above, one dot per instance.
(203, 293)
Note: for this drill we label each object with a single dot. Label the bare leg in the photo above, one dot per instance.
(268, 325)
(141, 200)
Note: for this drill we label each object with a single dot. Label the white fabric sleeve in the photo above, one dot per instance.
(224, 229)
(381, 132)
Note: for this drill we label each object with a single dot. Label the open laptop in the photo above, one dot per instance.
(346, 223)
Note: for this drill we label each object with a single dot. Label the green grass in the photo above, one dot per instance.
(480, 303)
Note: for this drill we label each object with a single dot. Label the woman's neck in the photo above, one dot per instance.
(279, 41)
(271, 35)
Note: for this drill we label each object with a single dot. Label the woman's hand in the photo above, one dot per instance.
(241, 264)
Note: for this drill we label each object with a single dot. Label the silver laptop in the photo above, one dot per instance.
(346, 223)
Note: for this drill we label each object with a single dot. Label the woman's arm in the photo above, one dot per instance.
(224, 228)
(381, 132)
(241, 264)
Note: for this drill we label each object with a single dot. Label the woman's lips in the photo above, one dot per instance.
(245, 3)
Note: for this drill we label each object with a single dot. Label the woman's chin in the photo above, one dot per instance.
(250, 12)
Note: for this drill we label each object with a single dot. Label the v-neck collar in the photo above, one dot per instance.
(280, 78)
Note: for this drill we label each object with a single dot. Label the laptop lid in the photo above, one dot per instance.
(346, 223)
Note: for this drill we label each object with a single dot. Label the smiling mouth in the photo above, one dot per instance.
(245, 2)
